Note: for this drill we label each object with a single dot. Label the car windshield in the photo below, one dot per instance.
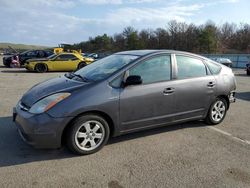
(103, 68)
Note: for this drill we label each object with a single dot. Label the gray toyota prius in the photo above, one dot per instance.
(125, 92)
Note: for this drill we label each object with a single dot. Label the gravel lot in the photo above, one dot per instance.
(184, 155)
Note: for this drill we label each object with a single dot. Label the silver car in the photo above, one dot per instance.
(125, 92)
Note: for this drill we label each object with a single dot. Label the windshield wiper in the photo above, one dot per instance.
(72, 74)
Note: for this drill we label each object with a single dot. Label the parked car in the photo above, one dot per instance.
(65, 61)
(224, 61)
(248, 68)
(24, 56)
(122, 93)
(95, 56)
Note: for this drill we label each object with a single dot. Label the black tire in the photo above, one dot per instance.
(41, 68)
(73, 141)
(210, 118)
(81, 65)
(7, 63)
(248, 72)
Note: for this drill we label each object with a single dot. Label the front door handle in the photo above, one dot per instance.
(168, 91)
(211, 84)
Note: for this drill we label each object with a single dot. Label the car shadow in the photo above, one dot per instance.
(16, 71)
(243, 96)
(4, 67)
(13, 151)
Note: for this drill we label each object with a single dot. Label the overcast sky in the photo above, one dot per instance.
(50, 22)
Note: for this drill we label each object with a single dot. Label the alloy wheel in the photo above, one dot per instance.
(90, 135)
(218, 111)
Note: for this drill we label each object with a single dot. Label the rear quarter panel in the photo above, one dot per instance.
(225, 81)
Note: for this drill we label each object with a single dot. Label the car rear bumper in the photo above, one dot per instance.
(40, 131)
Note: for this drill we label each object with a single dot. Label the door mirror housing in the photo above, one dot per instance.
(133, 80)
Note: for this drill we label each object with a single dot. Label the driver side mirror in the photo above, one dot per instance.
(133, 80)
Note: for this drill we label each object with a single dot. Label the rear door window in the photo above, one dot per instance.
(31, 53)
(189, 67)
(66, 57)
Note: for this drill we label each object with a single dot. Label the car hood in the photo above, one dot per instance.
(48, 87)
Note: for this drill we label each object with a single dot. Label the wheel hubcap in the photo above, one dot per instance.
(218, 111)
(90, 135)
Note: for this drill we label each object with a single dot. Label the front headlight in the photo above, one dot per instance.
(47, 103)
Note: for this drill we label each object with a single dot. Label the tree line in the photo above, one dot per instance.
(205, 38)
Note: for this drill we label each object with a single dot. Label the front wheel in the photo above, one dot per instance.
(217, 112)
(88, 134)
(248, 72)
(41, 68)
(81, 65)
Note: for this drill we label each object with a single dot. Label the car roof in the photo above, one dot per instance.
(148, 52)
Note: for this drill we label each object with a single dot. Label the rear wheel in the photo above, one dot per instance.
(81, 65)
(88, 134)
(41, 68)
(217, 112)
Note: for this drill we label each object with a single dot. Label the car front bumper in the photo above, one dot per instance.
(41, 130)
(29, 67)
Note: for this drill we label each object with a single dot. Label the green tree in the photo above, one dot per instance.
(208, 38)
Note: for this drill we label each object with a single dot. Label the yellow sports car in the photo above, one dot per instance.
(65, 61)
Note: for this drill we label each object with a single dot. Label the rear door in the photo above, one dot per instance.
(194, 88)
(152, 102)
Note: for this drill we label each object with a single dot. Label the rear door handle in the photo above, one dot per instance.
(168, 90)
(211, 84)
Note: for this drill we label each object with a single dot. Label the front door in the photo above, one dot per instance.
(63, 62)
(152, 102)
